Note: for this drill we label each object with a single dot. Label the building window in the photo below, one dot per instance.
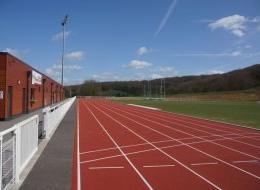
(32, 94)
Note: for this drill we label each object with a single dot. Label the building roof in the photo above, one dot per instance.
(6, 53)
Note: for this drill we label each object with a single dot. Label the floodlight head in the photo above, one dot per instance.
(65, 21)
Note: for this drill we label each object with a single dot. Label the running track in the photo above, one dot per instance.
(126, 147)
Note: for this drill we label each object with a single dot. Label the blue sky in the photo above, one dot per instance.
(109, 40)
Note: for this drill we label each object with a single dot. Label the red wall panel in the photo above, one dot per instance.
(18, 76)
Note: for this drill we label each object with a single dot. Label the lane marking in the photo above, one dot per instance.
(145, 150)
(205, 163)
(158, 166)
(122, 152)
(106, 167)
(169, 156)
(200, 124)
(152, 108)
(209, 121)
(163, 141)
(78, 154)
(198, 150)
(246, 161)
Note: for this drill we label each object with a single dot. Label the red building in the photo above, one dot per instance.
(23, 88)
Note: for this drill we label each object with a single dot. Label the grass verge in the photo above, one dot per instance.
(237, 112)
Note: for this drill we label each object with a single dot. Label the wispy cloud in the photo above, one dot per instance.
(166, 17)
(59, 36)
(235, 24)
(156, 76)
(163, 71)
(54, 70)
(105, 76)
(16, 52)
(166, 69)
(237, 53)
(238, 25)
(143, 50)
(75, 55)
(213, 71)
(137, 64)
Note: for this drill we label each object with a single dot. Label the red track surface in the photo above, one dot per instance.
(127, 147)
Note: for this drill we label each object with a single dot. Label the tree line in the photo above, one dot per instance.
(241, 79)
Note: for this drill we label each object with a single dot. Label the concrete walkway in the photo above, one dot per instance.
(53, 168)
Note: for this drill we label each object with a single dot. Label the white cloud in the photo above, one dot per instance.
(166, 69)
(236, 24)
(106, 76)
(75, 56)
(156, 76)
(54, 70)
(137, 64)
(214, 71)
(59, 36)
(166, 17)
(235, 53)
(73, 81)
(143, 50)
(228, 54)
(15, 52)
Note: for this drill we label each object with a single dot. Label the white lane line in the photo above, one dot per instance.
(78, 154)
(194, 148)
(159, 166)
(121, 151)
(205, 163)
(246, 161)
(106, 167)
(163, 141)
(142, 151)
(159, 149)
(181, 121)
(152, 108)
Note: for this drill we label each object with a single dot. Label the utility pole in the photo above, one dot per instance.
(64, 23)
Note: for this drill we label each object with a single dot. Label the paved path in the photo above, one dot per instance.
(53, 168)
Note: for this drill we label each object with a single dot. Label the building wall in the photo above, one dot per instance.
(16, 77)
(19, 77)
(2, 84)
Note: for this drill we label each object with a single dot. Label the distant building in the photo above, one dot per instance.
(23, 88)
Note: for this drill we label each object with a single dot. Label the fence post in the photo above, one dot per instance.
(18, 153)
(46, 122)
(1, 160)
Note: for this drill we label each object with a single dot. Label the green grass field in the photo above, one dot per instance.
(239, 112)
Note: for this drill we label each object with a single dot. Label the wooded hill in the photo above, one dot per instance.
(241, 79)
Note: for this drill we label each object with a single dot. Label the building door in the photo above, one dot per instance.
(9, 101)
(24, 103)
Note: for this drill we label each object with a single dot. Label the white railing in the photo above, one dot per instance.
(17, 145)
(53, 115)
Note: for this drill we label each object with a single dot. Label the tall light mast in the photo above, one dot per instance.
(64, 23)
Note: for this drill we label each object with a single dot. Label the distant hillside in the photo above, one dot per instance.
(241, 79)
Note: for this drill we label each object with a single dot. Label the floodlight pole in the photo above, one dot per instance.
(64, 22)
